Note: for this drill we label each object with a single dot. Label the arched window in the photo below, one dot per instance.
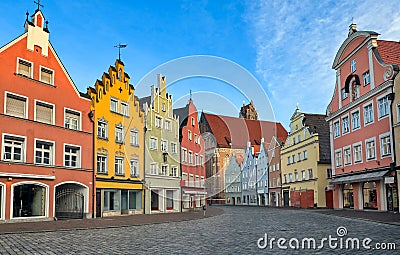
(119, 74)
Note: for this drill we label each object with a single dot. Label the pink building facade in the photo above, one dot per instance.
(361, 124)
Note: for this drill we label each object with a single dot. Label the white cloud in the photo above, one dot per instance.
(296, 44)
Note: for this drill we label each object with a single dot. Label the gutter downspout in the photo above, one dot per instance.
(91, 116)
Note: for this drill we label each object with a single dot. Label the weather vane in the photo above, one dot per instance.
(38, 4)
(119, 46)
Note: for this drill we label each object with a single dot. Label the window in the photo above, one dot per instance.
(370, 147)
(201, 160)
(190, 157)
(46, 75)
(102, 131)
(310, 174)
(119, 133)
(303, 175)
(164, 146)
(190, 135)
(344, 94)
(294, 140)
(13, 148)
(290, 177)
(192, 121)
(304, 154)
(383, 107)
(368, 114)
(196, 159)
(355, 119)
(288, 160)
(29, 200)
(125, 109)
(338, 158)
(174, 171)
(357, 153)
(298, 157)
(24, 68)
(336, 127)
(184, 155)
(366, 78)
(285, 178)
(16, 105)
(72, 119)
(153, 168)
(296, 176)
(347, 156)
(101, 164)
(345, 125)
(163, 107)
(196, 141)
(134, 137)
(353, 65)
(44, 153)
(114, 105)
(329, 173)
(119, 166)
(72, 156)
(167, 125)
(299, 138)
(293, 159)
(134, 168)
(385, 145)
(153, 143)
(44, 112)
(158, 122)
(164, 170)
(174, 148)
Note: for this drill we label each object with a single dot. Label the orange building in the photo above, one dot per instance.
(45, 132)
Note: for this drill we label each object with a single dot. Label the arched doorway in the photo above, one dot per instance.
(70, 201)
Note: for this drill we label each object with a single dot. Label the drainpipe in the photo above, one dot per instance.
(91, 118)
(144, 164)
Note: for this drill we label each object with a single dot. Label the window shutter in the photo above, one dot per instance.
(44, 113)
(24, 68)
(46, 75)
(15, 106)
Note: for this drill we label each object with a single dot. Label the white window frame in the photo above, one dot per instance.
(158, 121)
(16, 95)
(79, 158)
(398, 112)
(167, 125)
(354, 153)
(118, 160)
(162, 171)
(52, 74)
(352, 119)
(337, 163)
(52, 151)
(184, 155)
(102, 121)
(366, 78)
(190, 135)
(155, 139)
(336, 128)
(382, 136)
(17, 67)
(17, 137)
(46, 103)
(174, 171)
(153, 168)
(383, 97)
(125, 109)
(112, 99)
(347, 157)
(105, 156)
(75, 112)
(353, 65)
(366, 149)
(134, 137)
(345, 125)
(190, 157)
(119, 134)
(164, 145)
(174, 148)
(132, 163)
(364, 113)
(344, 94)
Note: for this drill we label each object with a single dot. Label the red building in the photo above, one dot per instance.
(46, 166)
(192, 158)
(360, 119)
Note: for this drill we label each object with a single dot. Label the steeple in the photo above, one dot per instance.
(38, 32)
(352, 27)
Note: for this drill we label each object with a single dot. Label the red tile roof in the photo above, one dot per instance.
(233, 132)
(389, 51)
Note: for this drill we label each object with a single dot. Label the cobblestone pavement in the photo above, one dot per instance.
(234, 232)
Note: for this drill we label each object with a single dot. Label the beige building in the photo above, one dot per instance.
(306, 162)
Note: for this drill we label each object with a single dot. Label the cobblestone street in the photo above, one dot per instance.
(234, 232)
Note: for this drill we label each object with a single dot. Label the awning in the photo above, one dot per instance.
(361, 177)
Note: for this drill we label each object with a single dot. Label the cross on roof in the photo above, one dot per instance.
(38, 4)
(120, 90)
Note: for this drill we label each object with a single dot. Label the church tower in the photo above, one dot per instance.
(248, 112)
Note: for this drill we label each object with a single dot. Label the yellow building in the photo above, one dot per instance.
(119, 149)
(306, 162)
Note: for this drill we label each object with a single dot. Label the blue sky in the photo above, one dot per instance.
(287, 46)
